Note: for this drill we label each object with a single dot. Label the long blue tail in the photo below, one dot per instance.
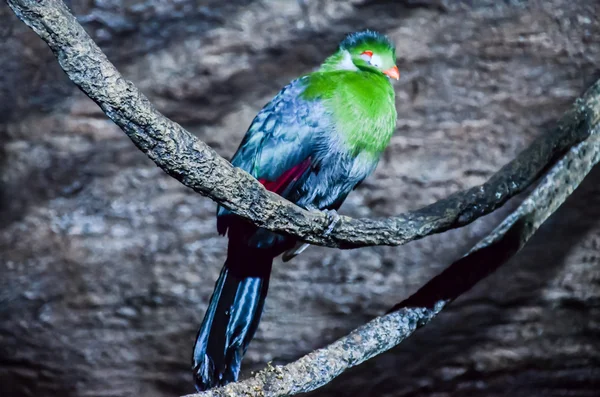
(232, 316)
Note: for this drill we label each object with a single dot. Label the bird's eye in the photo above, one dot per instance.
(375, 61)
(367, 55)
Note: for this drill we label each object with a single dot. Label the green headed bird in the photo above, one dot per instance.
(312, 144)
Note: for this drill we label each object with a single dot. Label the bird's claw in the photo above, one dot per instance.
(334, 219)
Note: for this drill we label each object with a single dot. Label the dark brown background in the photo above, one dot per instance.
(107, 264)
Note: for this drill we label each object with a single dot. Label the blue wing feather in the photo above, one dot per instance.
(282, 135)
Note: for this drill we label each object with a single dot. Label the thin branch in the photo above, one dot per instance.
(196, 165)
(383, 333)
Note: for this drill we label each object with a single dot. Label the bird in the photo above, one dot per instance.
(312, 144)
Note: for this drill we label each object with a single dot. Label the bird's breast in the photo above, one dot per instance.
(365, 115)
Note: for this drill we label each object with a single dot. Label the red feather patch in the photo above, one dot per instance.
(287, 178)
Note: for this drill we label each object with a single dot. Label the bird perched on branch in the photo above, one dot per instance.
(312, 144)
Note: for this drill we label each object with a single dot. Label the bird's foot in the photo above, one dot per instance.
(332, 216)
(334, 219)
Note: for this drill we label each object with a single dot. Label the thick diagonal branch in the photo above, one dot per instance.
(199, 167)
(383, 333)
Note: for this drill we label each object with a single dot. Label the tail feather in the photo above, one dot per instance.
(232, 316)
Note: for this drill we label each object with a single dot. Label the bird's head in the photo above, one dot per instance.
(366, 50)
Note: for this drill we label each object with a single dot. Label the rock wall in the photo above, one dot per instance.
(107, 264)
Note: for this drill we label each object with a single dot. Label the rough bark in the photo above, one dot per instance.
(107, 264)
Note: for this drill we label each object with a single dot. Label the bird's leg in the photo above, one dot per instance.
(334, 219)
(332, 215)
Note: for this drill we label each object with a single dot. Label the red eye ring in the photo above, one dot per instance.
(369, 53)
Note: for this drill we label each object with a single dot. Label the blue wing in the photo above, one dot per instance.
(283, 135)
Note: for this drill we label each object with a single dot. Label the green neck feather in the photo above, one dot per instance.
(361, 103)
(341, 60)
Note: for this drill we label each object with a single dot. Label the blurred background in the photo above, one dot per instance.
(107, 264)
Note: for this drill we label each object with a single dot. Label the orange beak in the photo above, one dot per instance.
(393, 72)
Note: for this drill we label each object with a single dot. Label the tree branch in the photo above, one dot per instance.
(196, 165)
(383, 333)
